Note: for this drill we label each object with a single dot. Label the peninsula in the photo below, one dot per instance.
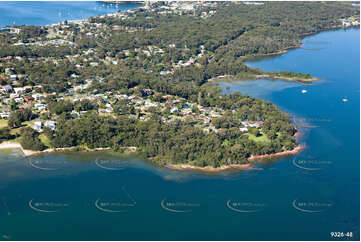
(139, 81)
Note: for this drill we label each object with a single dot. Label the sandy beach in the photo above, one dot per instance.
(185, 167)
(248, 166)
(26, 153)
(287, 79)
(279, 154)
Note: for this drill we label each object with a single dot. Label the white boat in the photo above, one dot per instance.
(304, 91)
(344, 100)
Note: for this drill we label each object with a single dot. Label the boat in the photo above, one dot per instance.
(304, 91)
(344, 100)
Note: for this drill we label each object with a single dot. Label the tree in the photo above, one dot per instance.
(14, 120)
(272, 134)
(29, 139)
(5, 134)
(254, 131)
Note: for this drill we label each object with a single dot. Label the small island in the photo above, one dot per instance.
(140, 81)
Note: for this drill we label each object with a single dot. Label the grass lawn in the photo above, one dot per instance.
(15, 131)
(29, 123)
(44, 140)
(3, 123)
(24, 124)
(260, 139)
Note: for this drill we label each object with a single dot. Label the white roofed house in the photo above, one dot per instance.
(19, 100)
(147, 92)
(37, 96)
(243, 129)
(251, 124)
(13, 95)
(148, 104)
(19, 90)
(7, 89)
(5, 115)
(7, 101)
(50, 124)
(109, 110)
(174, 110)
(40, 106)
(38, 126)
(13, 77)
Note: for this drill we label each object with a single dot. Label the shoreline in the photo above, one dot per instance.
(230, 78)
(290, 79)
(295, 150)
(185, 167)
(284, 50)
(26, 153)
(180, 167)
(245, 167)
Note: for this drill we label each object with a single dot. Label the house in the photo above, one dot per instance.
(13, 95)
(150, 104)
(7, 100)
(37, 96)
(173, 110)
(29, 98)
(50, 124)
(75, 113)
(19, 90)
(244, 129)
(4, 115)
(252, 125)
(122, 96)
(109, 110)
(13, 77)
(147, 92)
(99, 96)
(70, 91)
(164, 73)
(7, 89)
(40, 106)
(19, 100)
(10, 30)
(38, 126)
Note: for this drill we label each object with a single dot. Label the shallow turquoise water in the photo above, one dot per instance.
(101, 196)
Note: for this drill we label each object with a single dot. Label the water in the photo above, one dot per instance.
(101, 196)
(44, 13)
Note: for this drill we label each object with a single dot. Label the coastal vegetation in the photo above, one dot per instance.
(141, 78)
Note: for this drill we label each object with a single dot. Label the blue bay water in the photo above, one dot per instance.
(61, 196)
(44, 13)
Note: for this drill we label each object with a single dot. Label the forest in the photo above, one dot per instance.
(212, 40)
